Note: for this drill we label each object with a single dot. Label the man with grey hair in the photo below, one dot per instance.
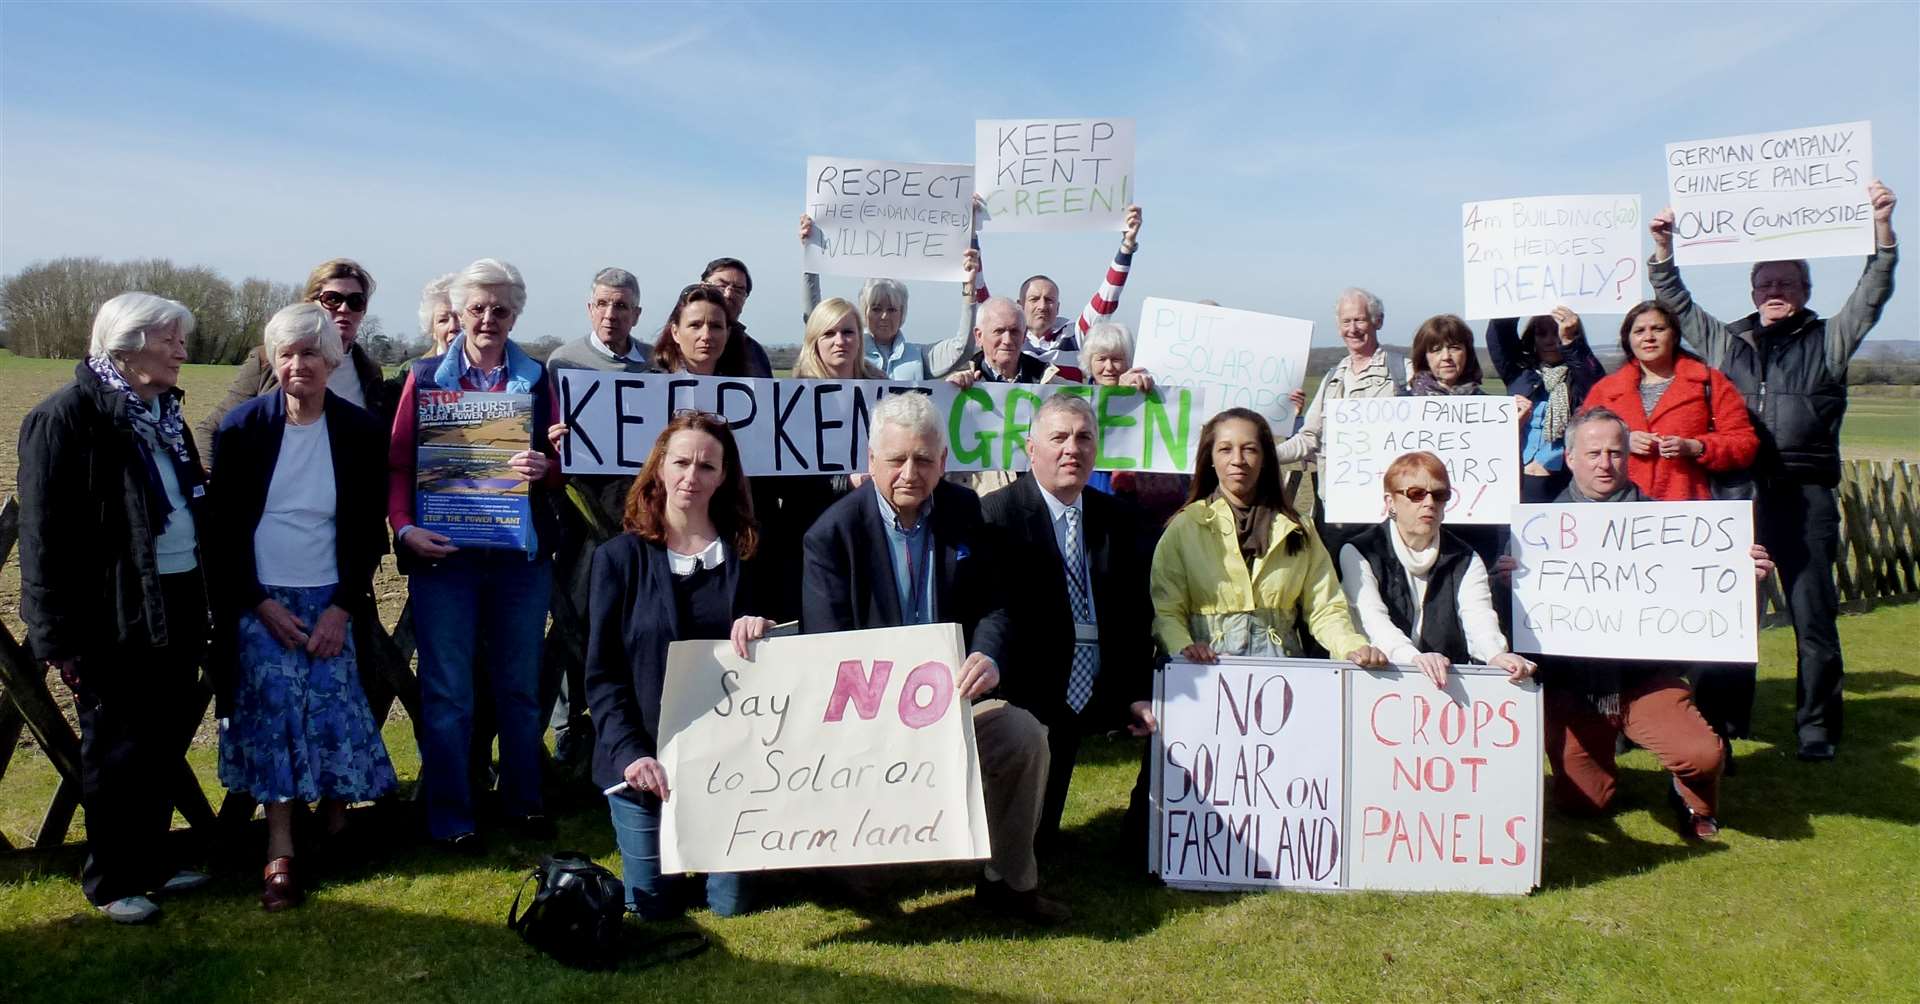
(1368, 370)
(589, 514)
(1791, 365)
(909, 548)
(1081, 650)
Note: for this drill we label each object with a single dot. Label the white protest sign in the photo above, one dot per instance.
(1247, 774)
(1528, 256)
(1444, 787)
(886, 218)
(786, 426)
(1667, 581)
(1801, 193)
(1237, 358)
(1476, 437)
(1054, 174)
(833, 749)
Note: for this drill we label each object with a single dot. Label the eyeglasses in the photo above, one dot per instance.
(1417, 495)
(498, 311)
(729, 287)
(332, 300)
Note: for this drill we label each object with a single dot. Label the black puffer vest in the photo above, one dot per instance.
(1440, 628)
(1796, 400)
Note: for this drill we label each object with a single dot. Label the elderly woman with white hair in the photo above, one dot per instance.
(111, 587)
(883, 312)
(438, 322)
(467, 598)
(300, 510)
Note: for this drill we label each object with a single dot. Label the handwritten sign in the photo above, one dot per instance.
(1768, 196)
(1236, 358)
(1528, 256)
(1476, 438)
(885, 218)
(1444, 786)
(820, 426)
(1040, 175)
(1671, 581)
(1247, 774)
(834, 749)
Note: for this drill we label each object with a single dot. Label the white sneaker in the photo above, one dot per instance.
(131, 910)
(185, 881)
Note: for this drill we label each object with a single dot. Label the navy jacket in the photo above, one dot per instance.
(1517, 366)
(631, 619)
(1119, 552)
(848, 571)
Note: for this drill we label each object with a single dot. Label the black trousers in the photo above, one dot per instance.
(136, 718)
(1800, 528)
(1064, 735)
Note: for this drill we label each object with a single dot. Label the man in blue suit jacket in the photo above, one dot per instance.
(909, 548)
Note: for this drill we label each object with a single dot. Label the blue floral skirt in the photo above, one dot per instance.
(300, 727)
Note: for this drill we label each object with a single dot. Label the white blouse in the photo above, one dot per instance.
(1474, 605)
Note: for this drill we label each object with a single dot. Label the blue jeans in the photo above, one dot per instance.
(636, 827)
(497, 599)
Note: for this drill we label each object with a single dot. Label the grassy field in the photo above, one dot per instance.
(1811, 895)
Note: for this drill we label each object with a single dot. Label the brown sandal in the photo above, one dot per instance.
(280, 892)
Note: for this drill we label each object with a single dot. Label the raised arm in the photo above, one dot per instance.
(1702, 330)
(810, 281)
(943, 357)
(1106, 296)
(1848, 328)
(1503, 347)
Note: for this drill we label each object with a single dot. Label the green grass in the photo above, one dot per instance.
(1881, 428)
(1812, 894)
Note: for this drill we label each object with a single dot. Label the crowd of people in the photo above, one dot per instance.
(144, 560)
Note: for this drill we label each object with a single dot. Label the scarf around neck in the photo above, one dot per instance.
(1417, 563)
(1553, 422)
(1428, 385)
(165, 426)
(1252, 527)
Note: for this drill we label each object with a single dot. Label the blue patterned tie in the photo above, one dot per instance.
(1086, 655)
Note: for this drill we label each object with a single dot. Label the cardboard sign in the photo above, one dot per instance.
(1666, 581)
(789, 426)
(822, 750)
(886, 218)
(1236, 358)
(1771, 196)
(1444, 785)
(1527, 256)
(1043, 175)
(464, 487)
(1476, 437)
(1247, 774)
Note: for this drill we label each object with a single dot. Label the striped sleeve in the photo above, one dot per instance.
(1106, 299)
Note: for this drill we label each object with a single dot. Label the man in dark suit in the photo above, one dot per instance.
(1081, 650)
(909, 548)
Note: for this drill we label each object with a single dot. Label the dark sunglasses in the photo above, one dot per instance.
(1417, 495)
(331, 300)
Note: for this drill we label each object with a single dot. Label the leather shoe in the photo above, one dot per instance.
(1029, 905)
(1817, 749)
(280, 892)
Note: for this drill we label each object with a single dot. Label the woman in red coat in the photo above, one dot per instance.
(1687, 420)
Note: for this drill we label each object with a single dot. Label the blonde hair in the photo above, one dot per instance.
(825, 318)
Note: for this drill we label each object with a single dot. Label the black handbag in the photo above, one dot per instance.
(577, 916)
(1727, 486)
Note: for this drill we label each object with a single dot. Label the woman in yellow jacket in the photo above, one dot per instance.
(1237, 566)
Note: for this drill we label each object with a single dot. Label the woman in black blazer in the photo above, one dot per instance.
(301, 506)
(681, 571)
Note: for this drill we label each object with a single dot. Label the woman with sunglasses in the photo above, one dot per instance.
(1420, 593)
(343, 289)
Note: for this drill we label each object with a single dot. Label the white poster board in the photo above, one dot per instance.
(1247, 774)
(1444, 786)
(1045, 175)
(1667, 581)
(888, 218)
(786, 426)
(1237, 358)
(1801, 193)
(1527, 256)
(822, 750)
(1476, 437)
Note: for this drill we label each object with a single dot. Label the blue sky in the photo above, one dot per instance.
(1284, 151)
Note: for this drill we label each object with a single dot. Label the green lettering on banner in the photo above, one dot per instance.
(1105, 420)
(1173, 432)
(982, 452)
(1013, 432)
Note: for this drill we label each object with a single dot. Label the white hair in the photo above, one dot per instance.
(891, 290)
(1000, 303)
(909, 410)
(1376, 310)
(617, 278)
(1108, 338)
(433, 295)
(484, 273)
(299, 324)
(121, 325)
